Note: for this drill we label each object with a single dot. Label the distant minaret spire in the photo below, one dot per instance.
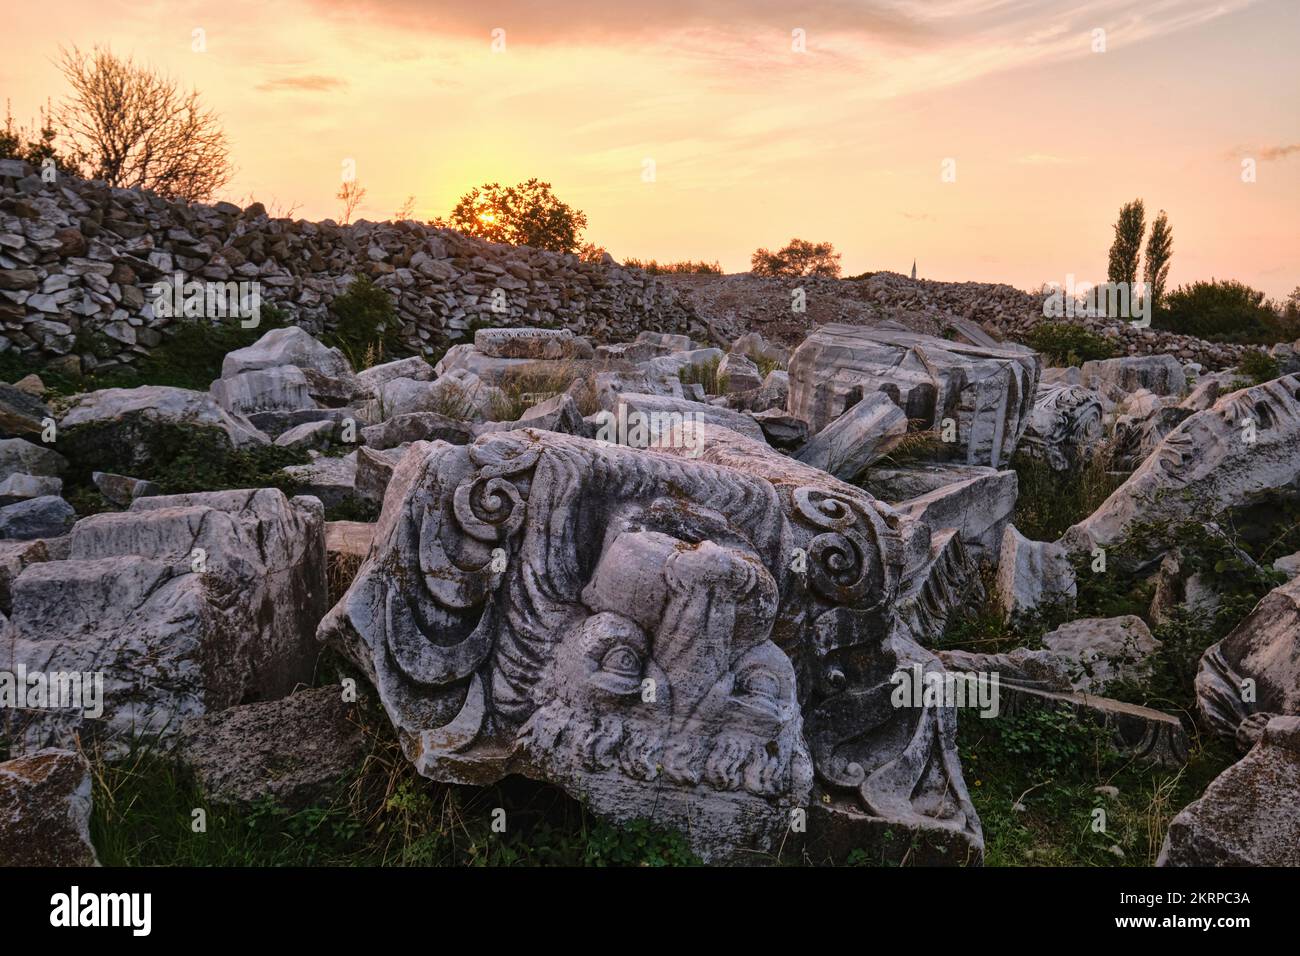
(913, 268)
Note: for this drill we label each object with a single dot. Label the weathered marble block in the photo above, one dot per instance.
(987, 391)
(1064, 426)
(704, 642)
(183, 605)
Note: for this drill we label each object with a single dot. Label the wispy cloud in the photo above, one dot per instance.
(1269, 153)
(309, 83)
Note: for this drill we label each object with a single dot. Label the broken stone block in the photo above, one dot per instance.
(369, 380)
(182, 605)
(19, 456)
(416, 426)
(374, 469)
(294, 751)
(45, 517)
(332, 480)
(1032, 575)
(559, 413)
(525, 343)
(781, 429)
(740, 372)
(1100, 650)
(283, 388)
(45, 804)
(1255, 670)
(1161, 374)
(22, 415)
(289, 346)
(986, 392)
(607, 619)
(121, 490)
(17, 488)
(610, 385)
(979, 508)
(315, 435)
(1239, 452)
(863, 434)
(659, 414)
(1064, 426)
(1249, 815)
(948, 581)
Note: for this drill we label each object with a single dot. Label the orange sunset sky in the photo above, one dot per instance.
(753, 142)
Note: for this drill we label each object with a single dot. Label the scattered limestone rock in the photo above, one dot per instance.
(45, 517)
(1032, 574)
(1100, 650)
(1249, 815)
(19, 456)
(121, 490)
(863, 434)
(295, 750)
(17, 488)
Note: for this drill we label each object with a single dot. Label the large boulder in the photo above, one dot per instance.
(1032, 575)
(280, 389)
(45, 803)
(985, 391)
(1249, 814)
(183, 605)
(1239, 452)
(631, 625)
(658, 414)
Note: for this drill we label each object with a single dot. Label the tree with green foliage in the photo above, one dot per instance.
(528, 214)
(1160, 249)
(1127, 247)
(799, 258)
(366, 325)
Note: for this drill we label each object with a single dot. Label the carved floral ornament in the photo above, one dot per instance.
(630, 626)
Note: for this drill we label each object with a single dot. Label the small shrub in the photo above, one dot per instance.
(1062, 344)
(686, 267)
(366, 326)
(1258, 367)
(705, 374)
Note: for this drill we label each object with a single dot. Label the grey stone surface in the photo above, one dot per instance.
(1255, 670)
(332, 480)
(1240, 451)
(45, 804)
(979, 508)
(45, 517)
(1161, 374)
(624, 566)
(17, 488)
(295, 750)
(184, 604)
(1100, 650)
(1032, 575)
(19, 456)
(289, 346)
(863, 434)
(1249, 815)
(416, 426)
(121, 490)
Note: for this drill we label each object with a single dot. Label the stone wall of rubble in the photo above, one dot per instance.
(76, 256)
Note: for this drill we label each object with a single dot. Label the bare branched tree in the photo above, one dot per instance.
(350, 193)
(405, 211)
(134, 128)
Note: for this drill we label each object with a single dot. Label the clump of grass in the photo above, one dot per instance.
(704, 374)
(1049, 502)
(1063, 344)
(524, 386)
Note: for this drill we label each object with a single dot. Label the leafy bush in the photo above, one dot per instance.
(1062, 344)
(1258, 367)
(528, 214)
(1224, 311)
(366, 326)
